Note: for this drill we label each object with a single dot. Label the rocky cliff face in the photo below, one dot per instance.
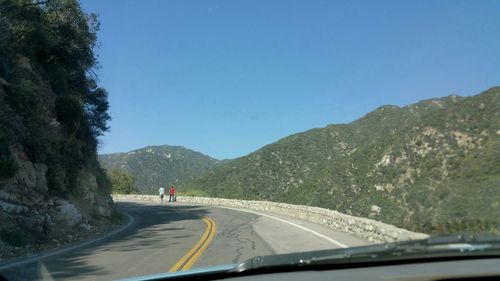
(32, 218)
(52, 189)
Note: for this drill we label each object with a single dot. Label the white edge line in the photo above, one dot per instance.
(57, 252)
(293, 224)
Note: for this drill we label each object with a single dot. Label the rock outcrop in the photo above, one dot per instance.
(31, 216)
(52, 188)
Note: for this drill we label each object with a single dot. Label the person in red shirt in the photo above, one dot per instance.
(171, 198)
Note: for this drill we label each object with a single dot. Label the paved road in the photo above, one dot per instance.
(160, 236)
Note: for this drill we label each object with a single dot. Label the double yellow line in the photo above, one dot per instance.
(188, 260)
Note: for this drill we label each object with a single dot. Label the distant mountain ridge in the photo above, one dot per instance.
(432, 166)
(156, 166)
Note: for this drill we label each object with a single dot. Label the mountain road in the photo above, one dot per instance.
(174, 236)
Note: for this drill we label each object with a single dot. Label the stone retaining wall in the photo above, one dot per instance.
(368, 229)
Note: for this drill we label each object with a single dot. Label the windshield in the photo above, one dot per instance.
(144, 137)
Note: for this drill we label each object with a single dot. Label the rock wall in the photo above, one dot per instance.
(32, 217)
(368, 229)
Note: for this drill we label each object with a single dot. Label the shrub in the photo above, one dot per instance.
(192, 192)
(13, 237)
(8, 166)
(122, 182)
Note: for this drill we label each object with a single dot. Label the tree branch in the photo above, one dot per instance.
(37, 3)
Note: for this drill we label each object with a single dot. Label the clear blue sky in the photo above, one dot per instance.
(227, 77)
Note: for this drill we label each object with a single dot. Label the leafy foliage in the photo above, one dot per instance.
(50, 104)
(7, 166)
(432, 166)
(122, 182)
(14, 237)
(192, 192)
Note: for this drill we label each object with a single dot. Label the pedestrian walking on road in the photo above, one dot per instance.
(162, 193)
(171, 198)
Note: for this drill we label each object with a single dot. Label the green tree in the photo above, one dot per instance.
(122, 182)
(50, 102)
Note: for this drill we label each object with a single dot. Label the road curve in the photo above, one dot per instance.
(177, 236)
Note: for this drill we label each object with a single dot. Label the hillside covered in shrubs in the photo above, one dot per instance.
(433, 166)
(156, 166)
(51, 112)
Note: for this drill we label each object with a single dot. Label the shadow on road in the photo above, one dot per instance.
(154, 226)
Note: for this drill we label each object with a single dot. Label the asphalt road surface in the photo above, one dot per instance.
(172, 237)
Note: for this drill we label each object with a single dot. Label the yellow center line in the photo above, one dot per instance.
(188, 260)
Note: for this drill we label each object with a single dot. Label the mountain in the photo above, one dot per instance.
(433, 166)
(156, 166)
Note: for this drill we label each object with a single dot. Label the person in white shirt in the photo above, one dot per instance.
(162, 193)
